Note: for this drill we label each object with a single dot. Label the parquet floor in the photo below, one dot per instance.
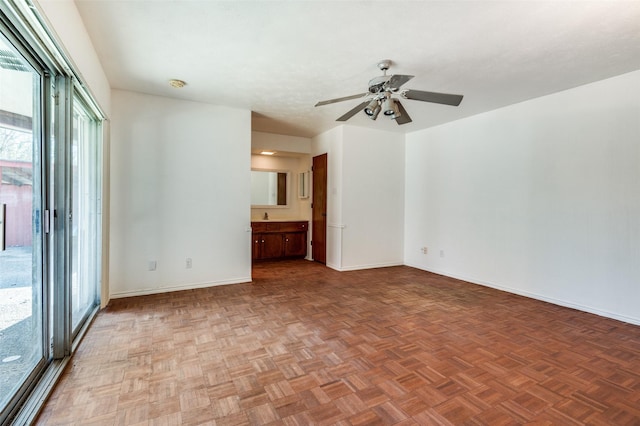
(306, 345)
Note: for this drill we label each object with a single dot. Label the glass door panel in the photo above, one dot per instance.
(85, 241)
(21, 255)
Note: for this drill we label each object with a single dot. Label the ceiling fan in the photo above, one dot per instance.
(380, 97)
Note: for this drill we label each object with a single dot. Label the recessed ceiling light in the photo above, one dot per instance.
(178, 84)
(267, 153)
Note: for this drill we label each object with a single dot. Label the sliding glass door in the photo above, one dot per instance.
(22, 303)
(50, 211)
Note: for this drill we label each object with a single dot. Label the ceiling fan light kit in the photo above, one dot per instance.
(373, 109)
(379, 97)
(390, 108)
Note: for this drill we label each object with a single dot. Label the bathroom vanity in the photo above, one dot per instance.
(279, 239)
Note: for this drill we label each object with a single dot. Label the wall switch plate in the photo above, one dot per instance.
(441, 253)
(153, 265)
(189, 263)
(424, 250)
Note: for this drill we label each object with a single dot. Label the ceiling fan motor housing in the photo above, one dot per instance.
(377, 84)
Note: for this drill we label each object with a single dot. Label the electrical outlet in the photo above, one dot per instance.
(153, 265)
(424, 250)
(189, 263)
(441, 253)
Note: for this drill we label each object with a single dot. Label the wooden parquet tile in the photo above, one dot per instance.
(304, 344)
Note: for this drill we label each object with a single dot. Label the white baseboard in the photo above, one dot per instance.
(178, 287)
(543, 298)
(332, 266)
(367, 266)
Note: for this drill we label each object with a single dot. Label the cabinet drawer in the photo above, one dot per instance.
(258, 226)
(295, 226)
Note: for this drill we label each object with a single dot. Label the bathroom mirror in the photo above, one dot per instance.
(268, 188)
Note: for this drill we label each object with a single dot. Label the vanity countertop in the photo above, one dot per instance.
(279, 220)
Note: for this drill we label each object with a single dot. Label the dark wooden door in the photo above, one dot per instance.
(319, 211)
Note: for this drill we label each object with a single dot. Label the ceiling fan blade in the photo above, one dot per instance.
(398, 80)
(353, 112)
(438, 98)
(346, 98)
(404, 117)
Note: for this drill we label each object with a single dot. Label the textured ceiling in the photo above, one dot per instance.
(278, 58)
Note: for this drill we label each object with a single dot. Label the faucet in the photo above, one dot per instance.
(266, 216)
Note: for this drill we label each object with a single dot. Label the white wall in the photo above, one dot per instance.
(372, 198)
(180, 187)
(280, 143)
(540, 198)
(365, 201)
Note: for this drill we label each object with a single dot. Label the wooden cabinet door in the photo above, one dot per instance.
(295, 244)
(256, 247)
(273, 246)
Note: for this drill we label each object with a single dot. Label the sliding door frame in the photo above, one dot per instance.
(61, 322)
